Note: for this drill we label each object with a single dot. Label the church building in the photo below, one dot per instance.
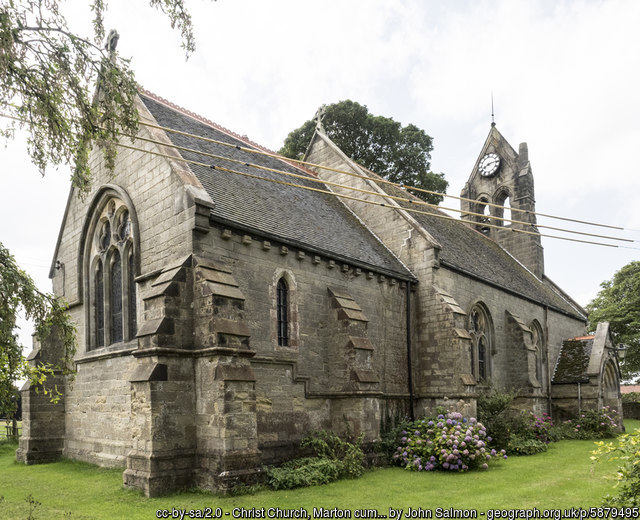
(229, 301)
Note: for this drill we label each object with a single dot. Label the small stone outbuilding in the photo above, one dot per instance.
(587, 375)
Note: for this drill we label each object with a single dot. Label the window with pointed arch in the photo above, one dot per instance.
(112, 309)
(285, 329)
(537, 341)
(610, 392)
(481, 333)
(282, 306)
(503, 207)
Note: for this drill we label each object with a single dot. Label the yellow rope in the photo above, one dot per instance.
(349, 197)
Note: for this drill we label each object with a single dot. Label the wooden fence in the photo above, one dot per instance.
(10, 431)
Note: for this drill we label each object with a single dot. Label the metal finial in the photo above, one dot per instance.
(493, 121)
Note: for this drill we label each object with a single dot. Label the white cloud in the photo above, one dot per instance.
(565, 78)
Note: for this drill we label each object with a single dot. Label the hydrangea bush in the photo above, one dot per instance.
(450, 442)
(541, 427)
(592, 424)
(530, 433)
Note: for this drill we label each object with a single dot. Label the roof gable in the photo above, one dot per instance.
(247, 200)
(470, 252)
(461, 247)
(573, 361)
(495, 141)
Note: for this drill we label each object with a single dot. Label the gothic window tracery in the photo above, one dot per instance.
(104, 238)
(481, 342)
(116, 298)
(111, 290)
(99, 306)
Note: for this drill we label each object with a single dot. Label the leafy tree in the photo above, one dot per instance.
(618, 302)
(398, 153)
(70, 94)
(48, 80)
(18, 293)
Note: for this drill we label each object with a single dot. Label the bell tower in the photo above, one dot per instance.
(502, 201)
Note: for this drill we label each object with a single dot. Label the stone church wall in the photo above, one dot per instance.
(509, 366)
(339, 372)
(443, 298)
(97, 406)
(98, 401)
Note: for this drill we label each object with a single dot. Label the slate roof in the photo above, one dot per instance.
(573, 361)
(472, 253)
(309, 220)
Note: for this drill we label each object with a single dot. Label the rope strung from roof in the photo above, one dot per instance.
(369, 192)
(314, 179)
(381, 180)
(349, 197)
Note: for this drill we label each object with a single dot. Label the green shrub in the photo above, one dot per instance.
(334, 459)
(521, 433)
(349, 455)
(525, 446)
(591, 424)
(627, 451)
(631, 397)
(495, 413)
(540, 427)
(309, 471)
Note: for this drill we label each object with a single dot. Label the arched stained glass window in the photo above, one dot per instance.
(481, 338)
(133, 322)
(282, 295)
(482, 359)
(116, 298)
(112, 289)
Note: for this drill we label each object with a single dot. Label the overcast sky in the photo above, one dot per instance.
(565, 78)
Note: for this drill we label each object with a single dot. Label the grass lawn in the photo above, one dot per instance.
(562, 477)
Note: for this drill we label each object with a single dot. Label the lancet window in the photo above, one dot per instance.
(282, 304)
(481, 342)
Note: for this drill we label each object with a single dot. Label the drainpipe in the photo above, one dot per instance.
(546, 338)
(409, 366)
(579, 400)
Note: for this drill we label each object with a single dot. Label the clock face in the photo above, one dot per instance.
(489, 164)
